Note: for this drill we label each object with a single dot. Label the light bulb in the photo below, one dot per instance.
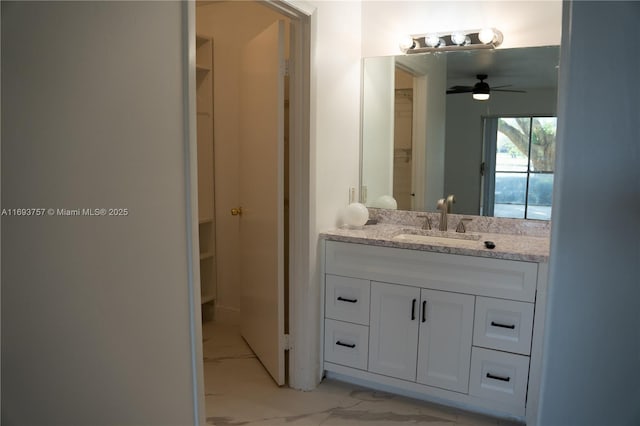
(407, 43)
(458, 38)
(432, 41)
(486, 35)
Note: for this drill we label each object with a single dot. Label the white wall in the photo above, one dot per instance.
(334, 148)
(465, 133)
(523, 23)
(435, 83)
(378, 103)
(231, 25)
(95, 326)
(592, 347)
(335, 108)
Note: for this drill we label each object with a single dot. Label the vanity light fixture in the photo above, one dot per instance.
(488, 35)
(433, 41)
(407, 43)
(487, 38)
(460, 39)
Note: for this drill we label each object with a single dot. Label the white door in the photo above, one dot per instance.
(446, 331)
(393, 333)
(261, 183)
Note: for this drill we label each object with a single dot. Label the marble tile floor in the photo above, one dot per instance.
(238, 391)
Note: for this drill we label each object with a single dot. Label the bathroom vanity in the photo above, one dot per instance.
(444, 319)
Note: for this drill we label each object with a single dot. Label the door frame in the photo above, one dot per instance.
(301, 375)
(302, 17)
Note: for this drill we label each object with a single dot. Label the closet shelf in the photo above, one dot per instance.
(206, 255)
(200, 39)
(204, 108)
(206, 298)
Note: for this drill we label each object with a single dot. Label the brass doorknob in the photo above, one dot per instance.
(236, 212)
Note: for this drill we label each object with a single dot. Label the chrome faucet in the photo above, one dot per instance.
(444, 205)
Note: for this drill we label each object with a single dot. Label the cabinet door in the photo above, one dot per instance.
(446, 331)
(393, 339)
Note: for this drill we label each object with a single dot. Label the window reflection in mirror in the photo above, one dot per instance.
(518, 176)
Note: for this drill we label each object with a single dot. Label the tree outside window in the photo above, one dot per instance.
(522, 173)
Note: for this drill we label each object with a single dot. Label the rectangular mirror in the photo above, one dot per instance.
(424, 136)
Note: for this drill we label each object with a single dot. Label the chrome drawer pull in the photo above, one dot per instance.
(342, 299)
(497, 324)
(348, 345)
(504, 379)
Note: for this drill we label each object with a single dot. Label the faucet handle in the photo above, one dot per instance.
(450, 200)
(461, 226)
(427, 222)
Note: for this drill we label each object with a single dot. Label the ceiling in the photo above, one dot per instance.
(522, 68)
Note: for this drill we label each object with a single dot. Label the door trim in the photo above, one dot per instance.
(191, 182)
(301, 355)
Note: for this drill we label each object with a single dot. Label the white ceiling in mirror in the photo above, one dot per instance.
(531, 68)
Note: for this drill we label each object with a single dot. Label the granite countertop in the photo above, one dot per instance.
(529, 248)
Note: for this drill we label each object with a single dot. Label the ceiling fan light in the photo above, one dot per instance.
(481, 91)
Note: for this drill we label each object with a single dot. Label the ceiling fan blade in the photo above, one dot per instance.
(500, 87)
(453, 92)
(459, 89)
(509, 90)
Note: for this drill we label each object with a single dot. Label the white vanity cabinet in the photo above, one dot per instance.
(421, 335)
(446, 328)
(393, 330)
(439, 326)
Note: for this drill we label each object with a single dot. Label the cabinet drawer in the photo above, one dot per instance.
(346, 343)
(347, 299)
(503, 324)
(499, 376)
(507, 279)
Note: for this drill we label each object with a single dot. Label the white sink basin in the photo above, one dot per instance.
(438, 237)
